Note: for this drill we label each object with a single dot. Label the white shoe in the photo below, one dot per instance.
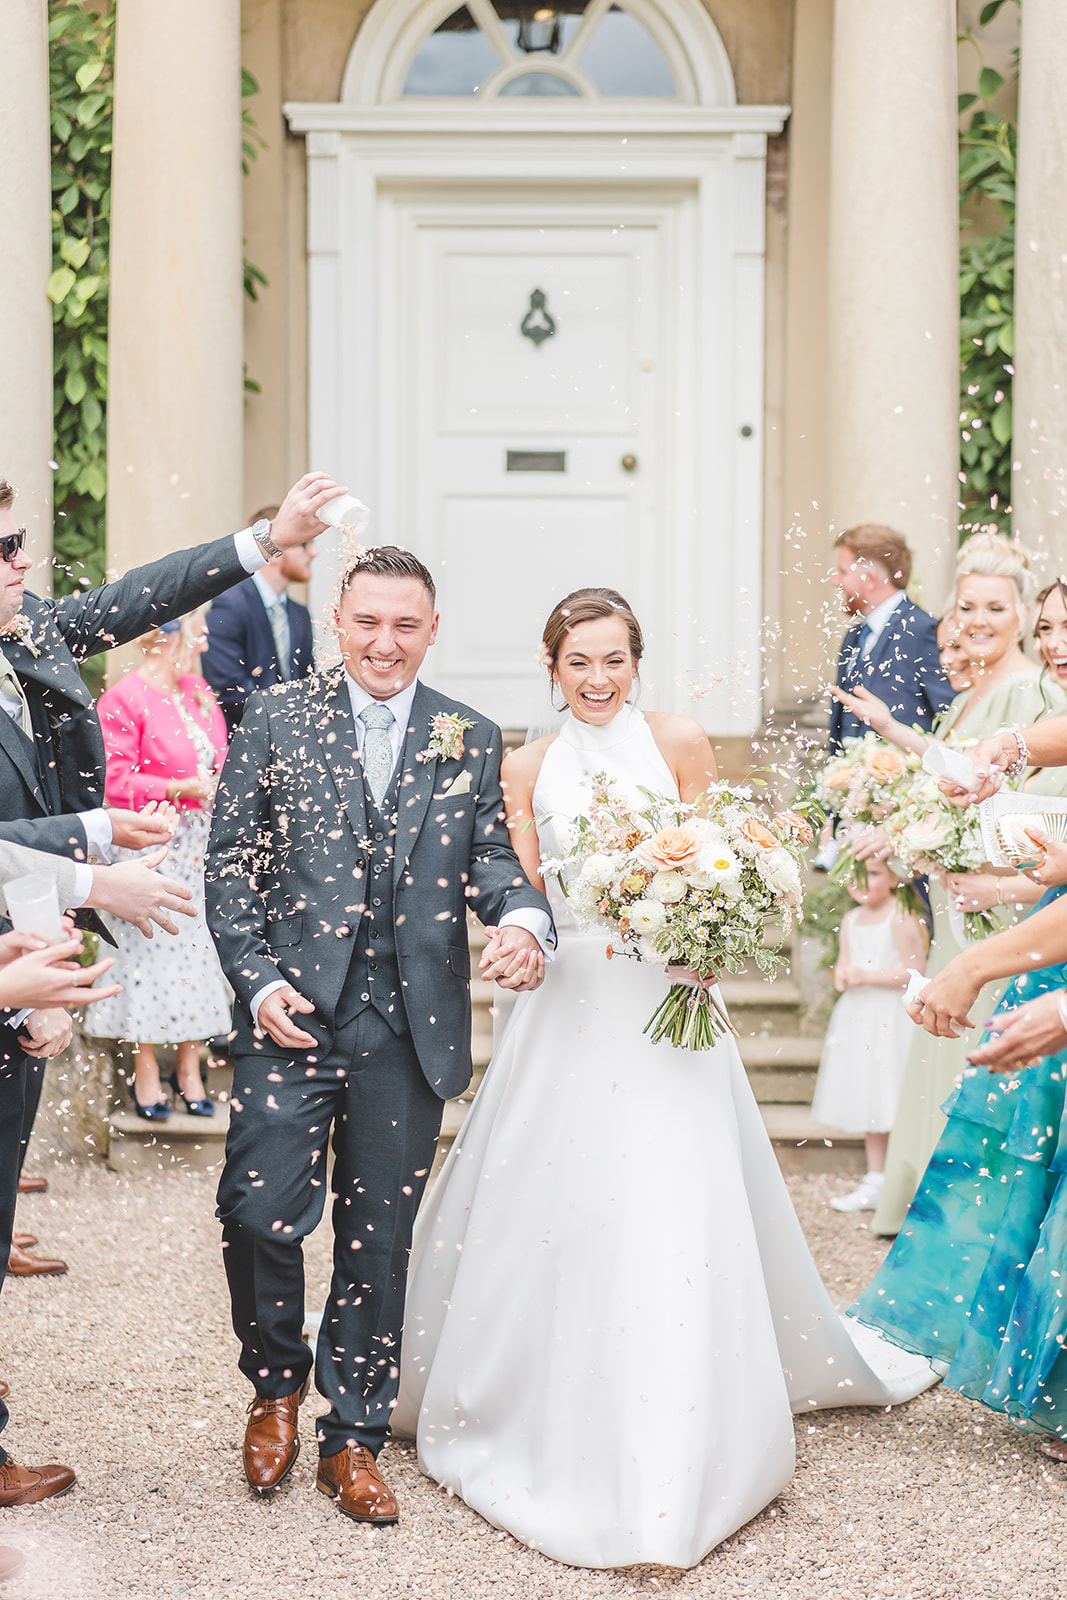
(865, 1198)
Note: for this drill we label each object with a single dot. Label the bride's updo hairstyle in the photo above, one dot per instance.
(993, 556)
(589, 605)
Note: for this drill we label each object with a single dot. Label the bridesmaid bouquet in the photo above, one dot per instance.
(864, 785)
(929, 835)
(687, 885)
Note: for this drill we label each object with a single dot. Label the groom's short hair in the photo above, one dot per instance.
(390, 561)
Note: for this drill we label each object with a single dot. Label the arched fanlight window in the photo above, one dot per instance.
(576, 49)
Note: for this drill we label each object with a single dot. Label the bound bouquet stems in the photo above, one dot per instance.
(691, 1018)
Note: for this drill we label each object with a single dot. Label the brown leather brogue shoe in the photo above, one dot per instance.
(12, 1562)
(25, 1241)
(351, 1477)
(272, 1438)
(22, 1265)
(24, 1486)
(32, 1185)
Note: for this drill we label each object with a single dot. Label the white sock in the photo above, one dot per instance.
(872, 1180)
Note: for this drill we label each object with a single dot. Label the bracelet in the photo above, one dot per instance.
(1000, 891)
(1017, 767)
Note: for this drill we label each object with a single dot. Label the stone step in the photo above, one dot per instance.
(784, 1053)
(804, 1145)
(742, 994)
(194, 1143)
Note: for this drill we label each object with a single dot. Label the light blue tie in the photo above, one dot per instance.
(279, 626)
(377, 750)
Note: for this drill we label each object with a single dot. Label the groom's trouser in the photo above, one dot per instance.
(385, 1119)
(20, 1091)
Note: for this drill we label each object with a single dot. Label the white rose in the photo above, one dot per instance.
(597, 870)
(647, 916)
(779, 872)
(584, 897)
(649, 953)
(668, 888)
(928, 834)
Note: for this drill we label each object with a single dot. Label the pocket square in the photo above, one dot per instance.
(461, 784)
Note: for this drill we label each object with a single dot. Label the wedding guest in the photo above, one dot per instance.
(891, 647)
(52, 775)
(260, 635)
(165, 738)
(867, 1042)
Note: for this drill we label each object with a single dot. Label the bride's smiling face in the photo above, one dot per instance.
(595, 669)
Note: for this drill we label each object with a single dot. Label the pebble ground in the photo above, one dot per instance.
(126, 1369)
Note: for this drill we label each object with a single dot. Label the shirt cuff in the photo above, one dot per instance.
(83, 885)
(249, 554)
(98, 834)
(261, 994)
(539, 923)
(18, 1018)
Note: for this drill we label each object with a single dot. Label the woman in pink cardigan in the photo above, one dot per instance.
(165, 738)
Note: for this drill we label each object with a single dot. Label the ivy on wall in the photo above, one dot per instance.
(81, 82)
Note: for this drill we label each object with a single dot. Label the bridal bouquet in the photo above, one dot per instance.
(690, 885)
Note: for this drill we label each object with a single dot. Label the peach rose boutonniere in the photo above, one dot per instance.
(446, 738)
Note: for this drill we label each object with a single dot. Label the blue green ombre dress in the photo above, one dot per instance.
(977, 1276)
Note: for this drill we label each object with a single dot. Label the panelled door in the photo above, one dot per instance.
(533, 427)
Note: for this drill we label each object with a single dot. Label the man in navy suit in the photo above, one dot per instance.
(891, 647)
(257, 635)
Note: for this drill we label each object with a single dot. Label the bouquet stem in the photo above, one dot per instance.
(691, 1017)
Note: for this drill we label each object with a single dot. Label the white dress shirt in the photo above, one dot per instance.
(536, 922)
(268, 595)
(877, 618)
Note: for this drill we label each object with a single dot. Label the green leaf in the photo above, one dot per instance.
(75, 252)
(74, 387)
(96, 481)
(988, 12)
(92, 412)
(68, 200)
(989, 83)
(1000, 422)
(87, 75)
(1006, 339)
(248, 84)
(964, 101)
(60, 284)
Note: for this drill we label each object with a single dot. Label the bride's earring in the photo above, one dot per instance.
(635, 692)
(552, 698)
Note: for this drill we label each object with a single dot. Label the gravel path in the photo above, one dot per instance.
(126, 1368)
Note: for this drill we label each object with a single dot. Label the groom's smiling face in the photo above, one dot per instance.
(385, 626)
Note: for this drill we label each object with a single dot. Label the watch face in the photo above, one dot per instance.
(261, 529)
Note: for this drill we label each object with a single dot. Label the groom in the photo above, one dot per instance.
(358, 815)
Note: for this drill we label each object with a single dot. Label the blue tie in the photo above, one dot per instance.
(377, 749)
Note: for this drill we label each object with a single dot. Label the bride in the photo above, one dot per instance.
(611, 1308)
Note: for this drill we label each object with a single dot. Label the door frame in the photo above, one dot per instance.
(359, 157)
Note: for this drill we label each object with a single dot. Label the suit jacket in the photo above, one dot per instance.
(16, 862)
(903, 668)
(287, 864)
(148, 744)
(38, 794)
(241, 657)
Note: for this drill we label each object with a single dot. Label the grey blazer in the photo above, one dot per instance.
(285, 877)
(16, 862)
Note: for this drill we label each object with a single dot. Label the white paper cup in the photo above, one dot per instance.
(345, 508)
(33, 906)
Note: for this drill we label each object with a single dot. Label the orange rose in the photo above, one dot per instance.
(670, 849)
(839, 780)
(885, 765)
(758, 835)
(792, 822)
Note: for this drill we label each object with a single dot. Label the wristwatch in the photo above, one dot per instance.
(261, 534)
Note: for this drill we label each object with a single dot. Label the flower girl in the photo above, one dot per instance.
(867, 1042)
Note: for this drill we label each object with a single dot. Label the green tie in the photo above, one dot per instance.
(12, 689)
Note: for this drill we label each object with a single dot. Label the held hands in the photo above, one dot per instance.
(512, 958)
(275, 1013)
(297, 520)
(135, 892)
(44, 976)
(156, 824)
(1020, 1038)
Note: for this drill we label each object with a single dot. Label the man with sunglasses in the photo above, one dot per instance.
(52, 777)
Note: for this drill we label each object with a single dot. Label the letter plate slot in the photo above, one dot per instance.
(537, 461)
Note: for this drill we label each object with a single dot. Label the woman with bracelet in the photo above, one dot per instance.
(974, 1278)
(165, 738)
(992, 598)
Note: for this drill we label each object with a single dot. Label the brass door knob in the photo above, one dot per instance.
(628, 463)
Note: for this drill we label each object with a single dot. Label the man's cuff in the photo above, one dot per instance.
(261, 994)
(83, 885)
(248, 552)
(98, 833)
(539, 923)
(17, 1018)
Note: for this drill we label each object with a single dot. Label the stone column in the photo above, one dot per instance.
(175, 405)
(1039, 483)
(894, 299)
(25, 313)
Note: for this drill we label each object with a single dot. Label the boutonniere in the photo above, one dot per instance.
(446, 738)
(19, 630)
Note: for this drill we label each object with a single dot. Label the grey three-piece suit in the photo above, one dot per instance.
(363, 910)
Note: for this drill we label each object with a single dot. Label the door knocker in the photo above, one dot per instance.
(538, 324)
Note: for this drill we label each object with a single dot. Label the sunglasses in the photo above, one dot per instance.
(12, 544)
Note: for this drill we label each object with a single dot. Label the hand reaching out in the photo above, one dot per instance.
(867, 706)
(139, 830)
(44, 976)
(135, 892)
(297, 520)
(1020, 1038)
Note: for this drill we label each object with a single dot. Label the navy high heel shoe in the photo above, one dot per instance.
(195, 1108)
(158, 1111)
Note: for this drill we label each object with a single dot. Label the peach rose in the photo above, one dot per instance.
(670, 849)
(796, 825)
(885, 765)
(758, 835)
(839, 780)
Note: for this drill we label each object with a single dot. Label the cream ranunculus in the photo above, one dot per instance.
(668, 888)
(598, 870)
(779, 872)
(647, 916)
(930, 833)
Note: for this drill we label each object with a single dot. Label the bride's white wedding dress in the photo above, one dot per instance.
(611, 1307)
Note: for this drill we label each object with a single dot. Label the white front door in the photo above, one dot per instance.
(534, 427)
